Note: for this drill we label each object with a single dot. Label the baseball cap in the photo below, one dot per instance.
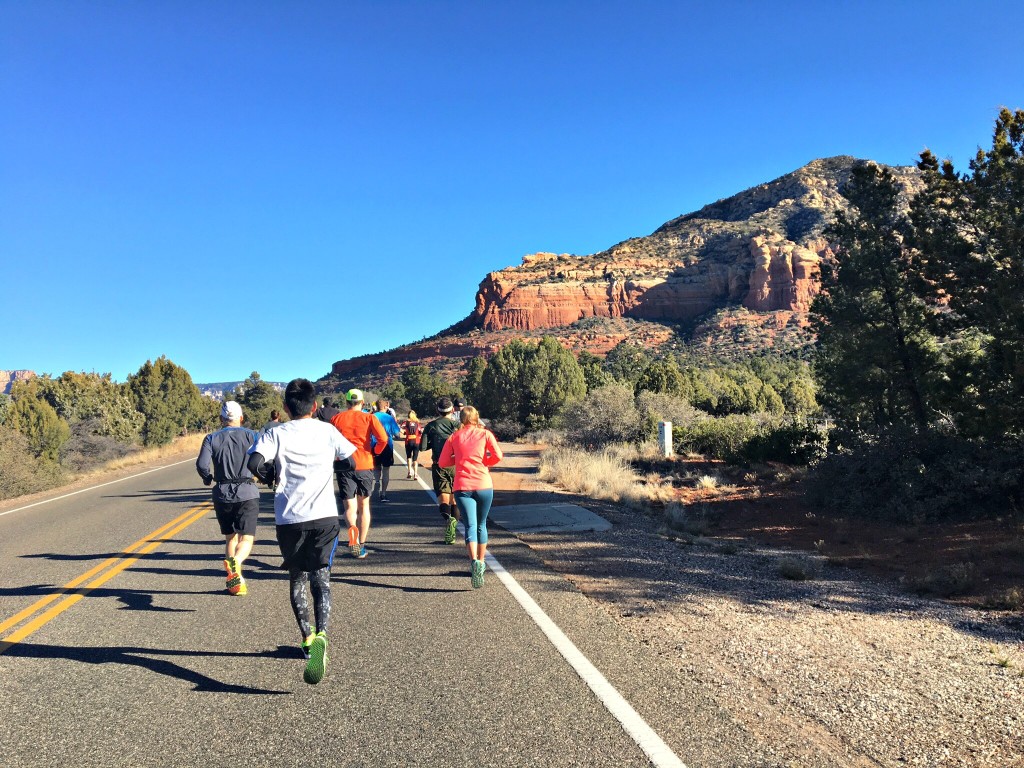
(231, 411)
(354, 396)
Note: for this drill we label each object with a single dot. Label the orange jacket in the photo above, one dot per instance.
(360, 429)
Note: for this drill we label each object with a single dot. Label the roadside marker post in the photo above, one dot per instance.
(665, 438)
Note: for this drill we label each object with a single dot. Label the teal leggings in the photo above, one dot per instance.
(474, 506)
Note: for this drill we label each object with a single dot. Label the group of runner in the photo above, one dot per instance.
(302, 458)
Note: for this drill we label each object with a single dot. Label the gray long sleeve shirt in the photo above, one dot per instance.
(227, 449)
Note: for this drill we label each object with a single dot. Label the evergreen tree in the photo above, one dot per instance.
(423, 389)
(169, 401)
(593, 372)
(38, 422)
(969, 231)
(258, 398)
(472, 384)
(626, 361)
(662, 376)
(93, 398)
(876, 359)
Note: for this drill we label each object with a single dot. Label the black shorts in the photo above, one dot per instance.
(412, 451)
(237, 516)
(443, 478)
(355, 482)
(308, 546)
(386, 457)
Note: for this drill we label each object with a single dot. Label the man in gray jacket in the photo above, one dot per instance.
(235, 496)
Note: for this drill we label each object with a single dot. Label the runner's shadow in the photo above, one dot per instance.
(142, 657)
(412, 590)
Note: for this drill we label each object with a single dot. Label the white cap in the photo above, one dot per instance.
(231, 411)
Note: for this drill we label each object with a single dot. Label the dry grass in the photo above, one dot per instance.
(187, 444)
(604, 474)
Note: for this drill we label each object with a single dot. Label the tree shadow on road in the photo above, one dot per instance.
(144, 658)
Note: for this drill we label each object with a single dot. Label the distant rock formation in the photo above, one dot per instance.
(760, 249)
(741, 272)
(7, 378)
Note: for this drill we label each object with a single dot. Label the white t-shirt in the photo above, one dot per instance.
(303, 452)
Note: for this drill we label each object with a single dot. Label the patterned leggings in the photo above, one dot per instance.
(320, 585)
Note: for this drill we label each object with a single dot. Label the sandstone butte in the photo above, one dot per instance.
(750, 261)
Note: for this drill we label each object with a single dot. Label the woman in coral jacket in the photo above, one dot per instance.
(471, 450)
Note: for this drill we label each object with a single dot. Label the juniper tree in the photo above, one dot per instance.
(876, 358)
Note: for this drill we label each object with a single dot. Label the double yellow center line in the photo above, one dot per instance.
(35, 616)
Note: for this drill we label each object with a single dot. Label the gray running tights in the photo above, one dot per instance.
(320, 585)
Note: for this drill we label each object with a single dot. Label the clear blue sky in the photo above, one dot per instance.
(274, 186)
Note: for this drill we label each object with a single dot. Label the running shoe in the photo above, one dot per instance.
(383, 500)
(449, 531)
(361, 553)
(477, 574)
(353, 540)
(317, 663)
(235, 583)
(306, 644)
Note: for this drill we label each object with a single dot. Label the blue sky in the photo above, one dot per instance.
(275, 186)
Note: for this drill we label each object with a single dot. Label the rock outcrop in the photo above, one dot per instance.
(7, 378)
(760, 249)
(739, 274)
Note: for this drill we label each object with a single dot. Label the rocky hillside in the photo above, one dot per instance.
(739, 271)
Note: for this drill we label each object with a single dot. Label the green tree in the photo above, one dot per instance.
(171, 404)
(876, 357)
(95, 398)
(258, 398)
(5, 404)
(969, 232)
(472, 384)
(593, 372)
(423, 388)
(662, 376)
(38, 422)
(626, 361)
(531, 383)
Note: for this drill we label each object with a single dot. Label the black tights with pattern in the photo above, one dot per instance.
(320, 585)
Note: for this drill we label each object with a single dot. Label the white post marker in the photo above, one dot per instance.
(665, 438)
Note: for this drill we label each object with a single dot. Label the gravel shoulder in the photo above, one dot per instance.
(836, 669)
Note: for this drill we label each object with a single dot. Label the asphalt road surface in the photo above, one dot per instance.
(120, 646)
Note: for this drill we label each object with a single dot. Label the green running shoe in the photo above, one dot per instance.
(317, 664)
(306, 644)
(450, 530)
(477, 574)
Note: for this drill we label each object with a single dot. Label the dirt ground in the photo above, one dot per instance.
(978, 564)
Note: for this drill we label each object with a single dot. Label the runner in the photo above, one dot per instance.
(471, 451)
(303, 452)
(433, 438)
(275, 420)
(411, 429)
(457, 405)
(383, 461)
(235, 497)
(356, 484)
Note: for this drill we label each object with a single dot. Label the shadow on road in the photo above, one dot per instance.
(144, 658)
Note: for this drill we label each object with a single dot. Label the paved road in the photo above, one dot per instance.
(147, 661)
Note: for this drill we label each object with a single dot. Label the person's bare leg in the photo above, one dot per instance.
(364, 518)
(243, 548)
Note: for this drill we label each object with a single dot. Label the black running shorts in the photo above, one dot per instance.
(237, 516)
(355, 482)
(386, 458)
(443, 478)
(412, 451)
(308, 546)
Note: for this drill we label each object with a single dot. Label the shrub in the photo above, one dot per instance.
(906, 477)
(721, 438)
(606, 415)
(506, 430)
(87, 448)
(792, 442)
(796, 568)
(604, 474)
(21, 471)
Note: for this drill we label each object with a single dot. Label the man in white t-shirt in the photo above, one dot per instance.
(298, 456)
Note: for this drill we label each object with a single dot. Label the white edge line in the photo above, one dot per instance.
(660, 754)
(93, 487)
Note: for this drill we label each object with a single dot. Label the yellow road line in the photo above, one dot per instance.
(143, 546)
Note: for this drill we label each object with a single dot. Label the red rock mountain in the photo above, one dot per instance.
(741, 270)
(7, 378)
